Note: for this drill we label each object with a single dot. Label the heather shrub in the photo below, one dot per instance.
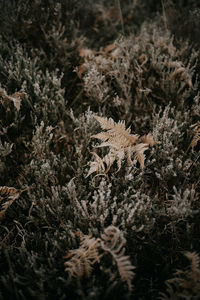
(137, 72)
(99, 150)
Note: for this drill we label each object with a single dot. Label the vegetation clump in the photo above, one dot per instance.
(99, 149)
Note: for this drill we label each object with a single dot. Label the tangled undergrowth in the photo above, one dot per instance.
(99, 149)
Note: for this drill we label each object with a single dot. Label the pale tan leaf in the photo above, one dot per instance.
(131, 139)
(113, 128)
(139, 153)
(105, 122)
(8, 195)
(16, 99)
(104, 136)
(109, 48)
(18, 95)
(126, 270)
(81, 69)
(115, 53)
(109, 160)
(120, 156)
(119, 128)
(122, 144)
(196, 135)
(195, 261)
(96, 166)
(82, 259)
(148, 139)
(143, 59)
(140, 157)
(113, 242)
(128, 155)
(86, 53)
(8, 191)
(178, 71)
(16, 102)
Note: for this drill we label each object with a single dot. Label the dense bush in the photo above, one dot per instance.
(89, 212)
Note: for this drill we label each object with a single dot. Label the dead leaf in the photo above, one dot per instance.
(110, 48)
(196, 135)
(16, 98)
(16, 102)
(143, 59)
(86, 53)
(178, 71)
(7, 196)
(81, 69)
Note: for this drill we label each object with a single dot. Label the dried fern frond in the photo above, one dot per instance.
(186, 283)
(139, 153)
(111, 237)
(6, 191)
(122, 145)
(109, 160)
(148, 139)
(83, 258)
(114, 128)
(113, 242)
(7, 196)
(196, 135)
(80, 261)
(103, 136)
(195, 262)
(96, 166)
